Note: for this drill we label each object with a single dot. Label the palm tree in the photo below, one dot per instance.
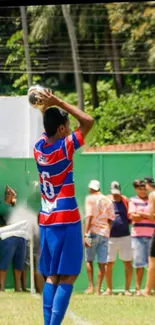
(26, 44)
(75, 55)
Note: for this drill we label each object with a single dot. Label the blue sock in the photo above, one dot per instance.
(60, 303)
(48, 296)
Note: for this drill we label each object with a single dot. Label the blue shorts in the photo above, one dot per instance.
(141, 250)
(12, 250)
(61, 249)
(99, 247)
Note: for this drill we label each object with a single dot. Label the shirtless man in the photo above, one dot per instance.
(150, 282)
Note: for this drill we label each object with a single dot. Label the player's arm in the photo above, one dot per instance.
(88, 224)
(111, 214)
(88, 219)
(151, 208)
(85, 120)
(110, 224)
(132, 212)
(136, 217)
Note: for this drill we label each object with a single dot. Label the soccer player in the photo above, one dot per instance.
(60, 226)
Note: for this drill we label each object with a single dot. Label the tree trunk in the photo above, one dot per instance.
(26, 44)
(116, 66)
(113, 55)
(93, 83)
(75, 56)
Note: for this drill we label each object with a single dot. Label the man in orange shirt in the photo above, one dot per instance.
(99, 213)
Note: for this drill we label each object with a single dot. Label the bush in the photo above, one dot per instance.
(128, 119)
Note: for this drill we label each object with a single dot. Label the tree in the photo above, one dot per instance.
(48, 29)
(26, 44)
(75, 55)
(89, 41)
(112, 38)
(113, 55)
(10, 23)
(16, 63)
(134, 23)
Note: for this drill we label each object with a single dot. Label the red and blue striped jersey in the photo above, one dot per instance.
(55, 168)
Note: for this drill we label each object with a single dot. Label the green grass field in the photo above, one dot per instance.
(24, 309)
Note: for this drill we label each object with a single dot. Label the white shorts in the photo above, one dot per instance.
(121, 246)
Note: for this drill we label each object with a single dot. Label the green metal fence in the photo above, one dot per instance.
(123, 167)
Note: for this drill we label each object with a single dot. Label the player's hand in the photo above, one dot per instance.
(137, 217)
(47, 99)
(86, 243)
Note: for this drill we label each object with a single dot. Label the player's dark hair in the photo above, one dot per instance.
(138, 183)
(53, 118)
(150, 181)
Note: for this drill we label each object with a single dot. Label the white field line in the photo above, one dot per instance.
(77, 320)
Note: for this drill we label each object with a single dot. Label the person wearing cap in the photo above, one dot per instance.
(99, 213)
(120, 239)
(150, 281)
(142, 231)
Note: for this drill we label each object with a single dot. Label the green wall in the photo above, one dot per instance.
(123, 167)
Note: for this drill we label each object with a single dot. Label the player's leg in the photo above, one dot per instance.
(39, 282)
(69, 268)
(51, 243)
(90, 253)
(138, 261)
(112, 254)
(18, 260)
(3, 274)
(150, 277)
(50, 284)
(128, 277)
(90, 273)
(125, 254)
(49, 291)
(23, 279)
(102, 257)
(62, 298)
(7, 251)
(151, 269)
(38, 278)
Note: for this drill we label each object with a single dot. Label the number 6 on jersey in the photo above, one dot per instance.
(47, 186)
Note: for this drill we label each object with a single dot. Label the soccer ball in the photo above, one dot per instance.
(32, 93)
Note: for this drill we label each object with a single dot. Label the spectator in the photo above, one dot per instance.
(142, 231)
(2, 224)
(2, 221)
(120, 240)
(150, 282)
(99, 216)
(13, 249)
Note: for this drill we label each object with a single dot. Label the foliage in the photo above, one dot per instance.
(114, 32)
(128, 119)
(15, 59)
(132, 25)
